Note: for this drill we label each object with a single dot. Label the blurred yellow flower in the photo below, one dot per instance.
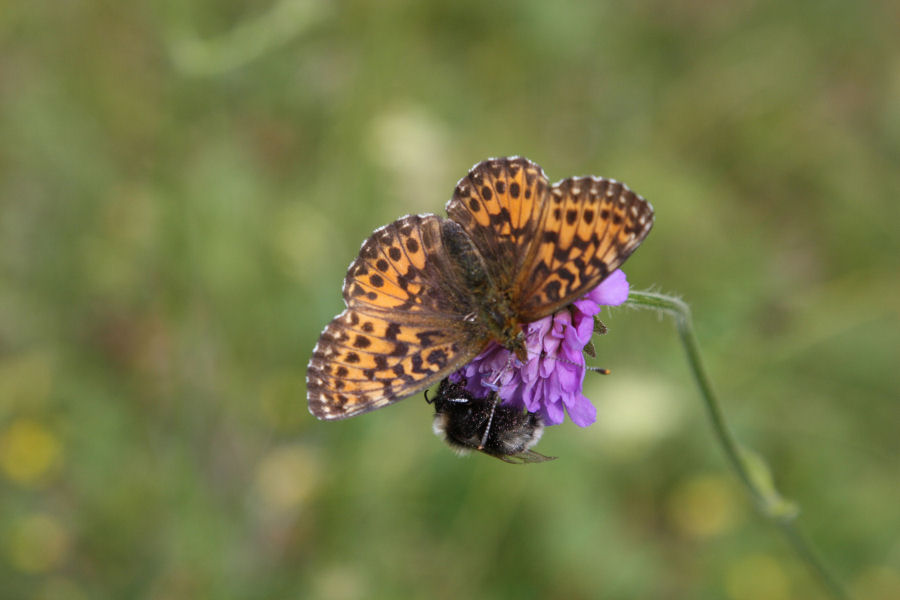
(37, 543)
(702, 506)
(28, 451)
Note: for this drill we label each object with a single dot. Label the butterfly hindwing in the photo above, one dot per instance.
(364, 361)
(404, 268)
(403, 328)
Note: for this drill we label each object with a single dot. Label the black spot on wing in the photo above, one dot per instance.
(552, 290)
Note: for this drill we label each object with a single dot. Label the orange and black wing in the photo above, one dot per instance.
(547, 245)
(501, 206)
(592, 225)
(404, 327)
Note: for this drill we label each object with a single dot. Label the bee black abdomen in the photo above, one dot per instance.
(462, 420)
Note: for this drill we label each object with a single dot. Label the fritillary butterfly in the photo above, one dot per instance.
(427, 294)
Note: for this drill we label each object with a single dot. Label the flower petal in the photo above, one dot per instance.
(613, 291)
(581, 411)
(551, 379)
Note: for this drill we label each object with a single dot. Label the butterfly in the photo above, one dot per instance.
(428, 294)
(468, 423)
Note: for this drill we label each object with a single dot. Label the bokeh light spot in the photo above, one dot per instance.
(28, 452)
(633, 413)
(702, 506)
(37, 544)
(285, 478)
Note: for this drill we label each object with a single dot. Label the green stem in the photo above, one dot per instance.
(749, 467)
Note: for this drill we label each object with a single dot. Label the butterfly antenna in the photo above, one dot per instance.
(600, 370)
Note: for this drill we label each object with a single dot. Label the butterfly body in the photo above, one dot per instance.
(493, 317)
(427, 294)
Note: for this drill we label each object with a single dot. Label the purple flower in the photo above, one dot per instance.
(550, 382)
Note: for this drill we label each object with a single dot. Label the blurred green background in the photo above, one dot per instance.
(184, 184)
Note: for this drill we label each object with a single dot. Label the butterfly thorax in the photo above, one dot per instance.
(493, 314)
(500, 324)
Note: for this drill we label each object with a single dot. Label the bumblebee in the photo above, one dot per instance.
(468, 423)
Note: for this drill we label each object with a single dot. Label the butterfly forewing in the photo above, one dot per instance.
(404, 268)
(500, 204)
(592, 225)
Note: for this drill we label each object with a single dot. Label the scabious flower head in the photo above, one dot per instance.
(550, 382)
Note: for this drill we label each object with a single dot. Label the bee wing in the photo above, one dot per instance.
(523, 457)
